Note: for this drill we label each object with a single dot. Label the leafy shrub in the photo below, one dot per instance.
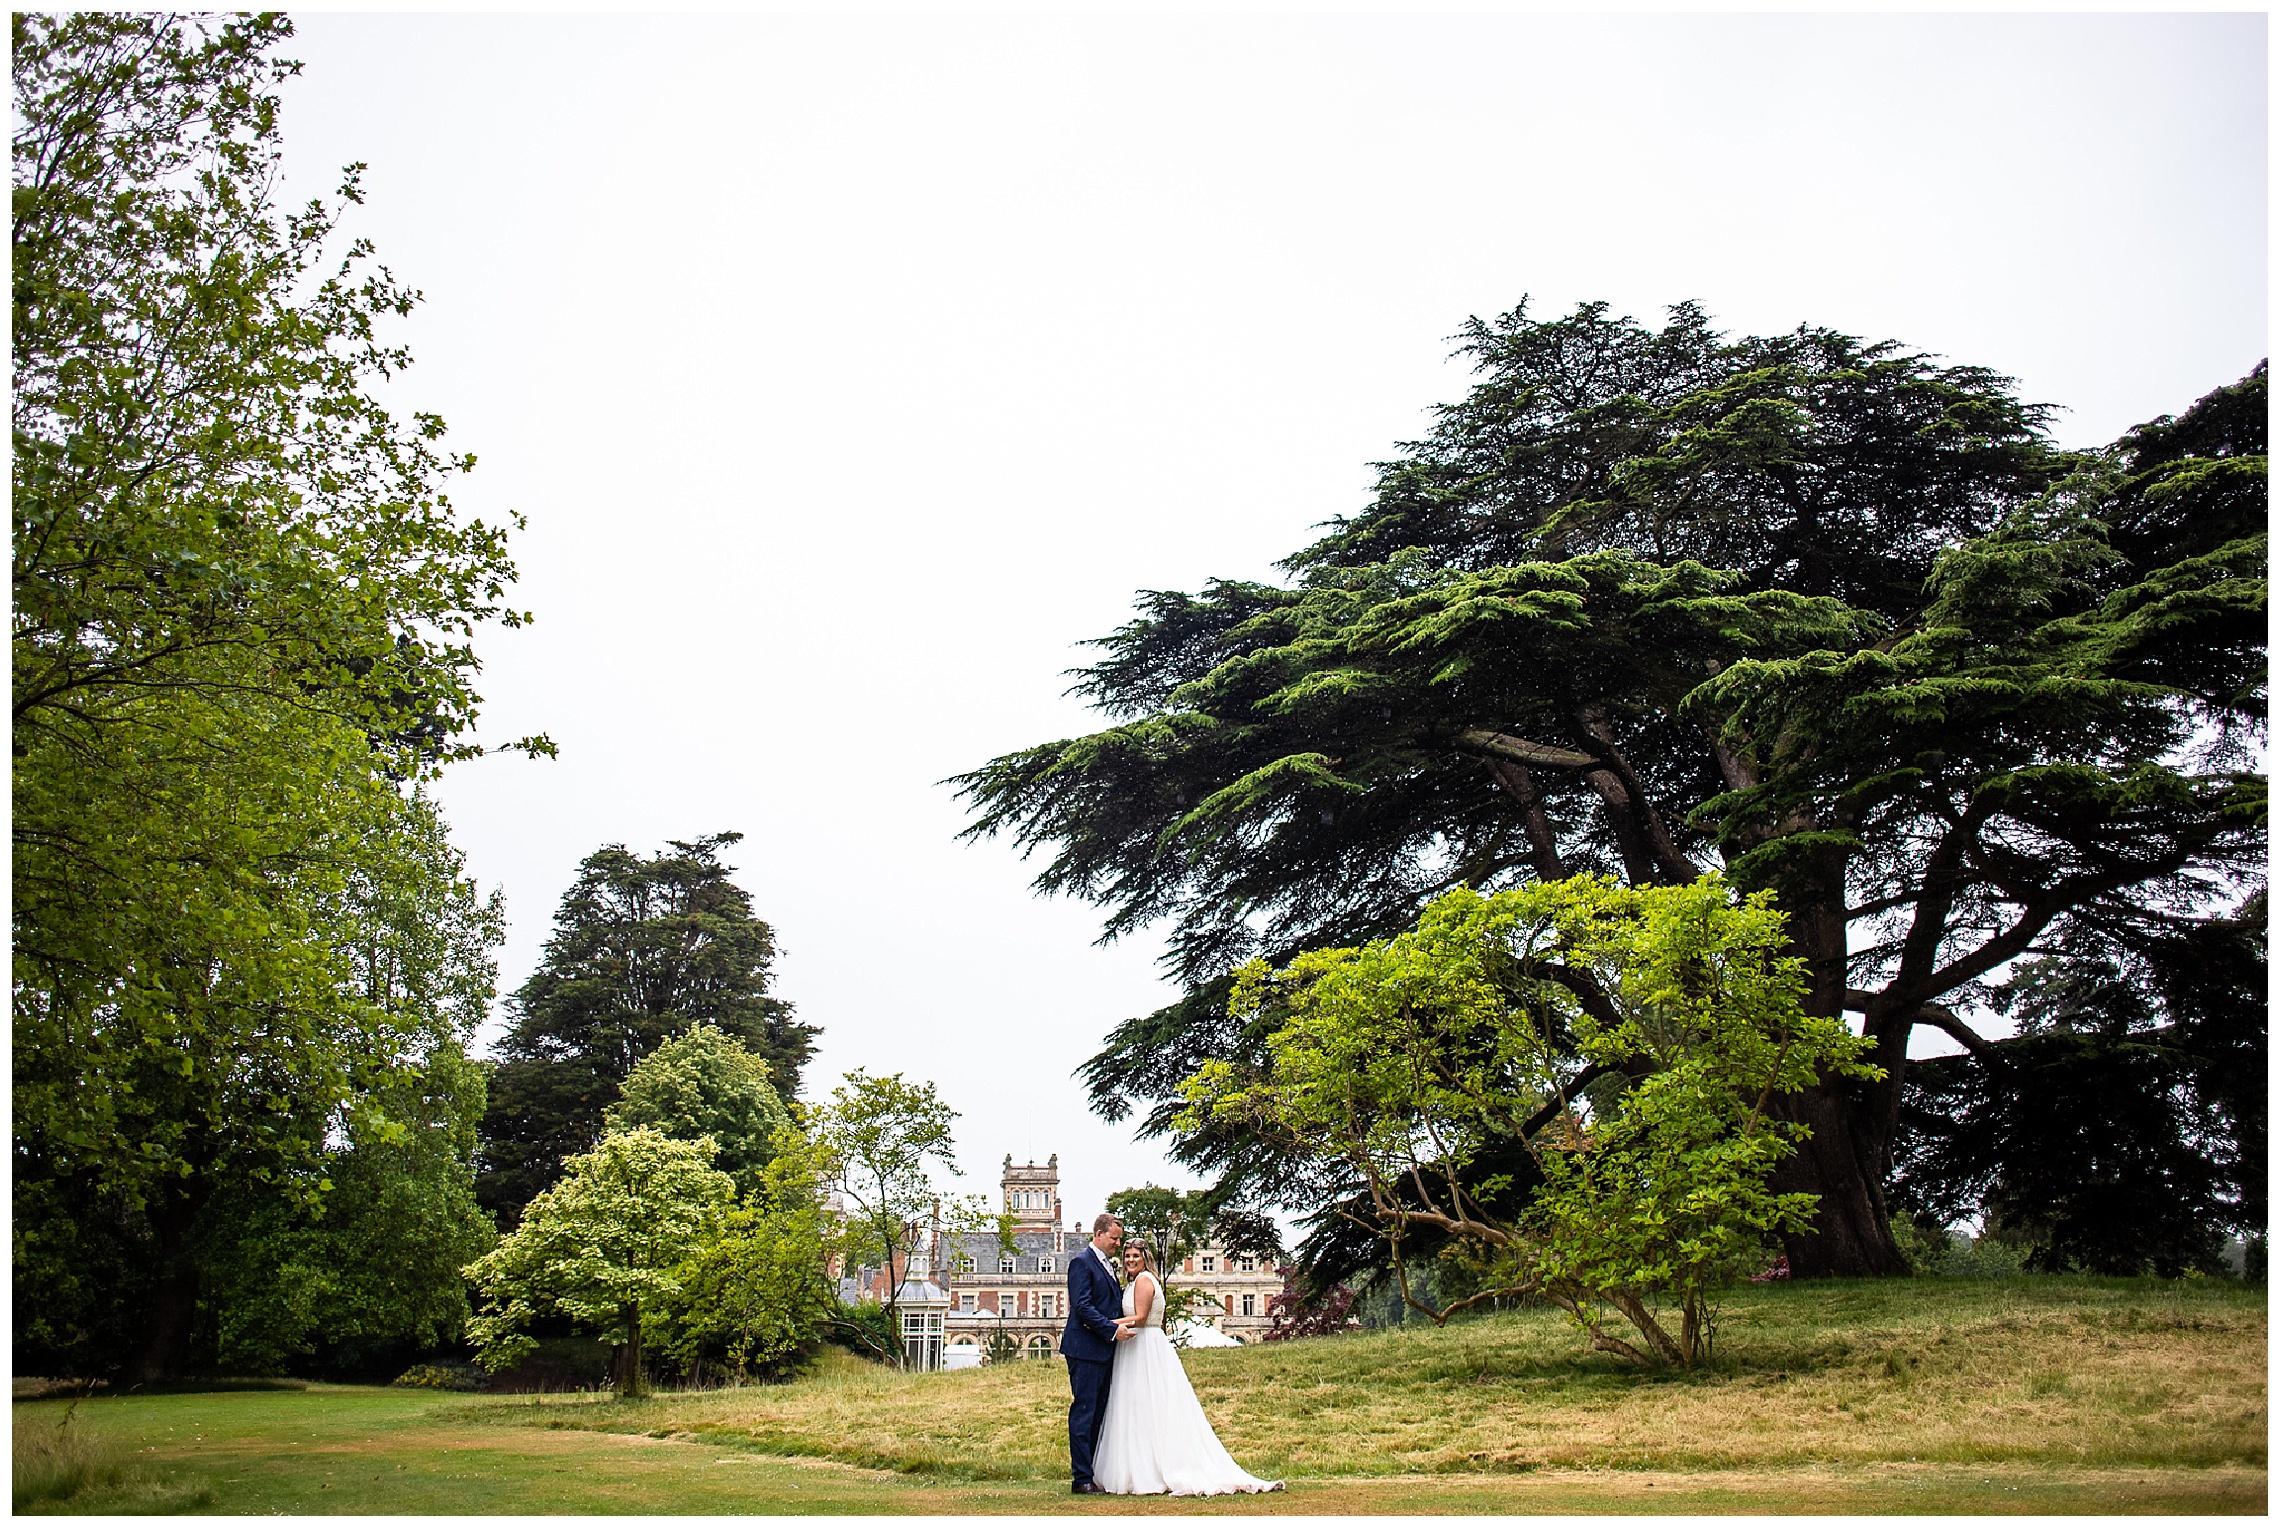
(864, 1329)
(1939, 1252)
(444, 1376)
(751, 1296)
(1293, 1314)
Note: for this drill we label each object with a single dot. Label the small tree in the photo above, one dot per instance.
(708, 1084)
(608, 1245)
(874, 1138)
(757, 1294)
(1173, 1225)
(1291, 1314)
(1627, 1041)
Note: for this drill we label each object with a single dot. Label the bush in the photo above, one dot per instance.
(445, 1376)
(1294, 1314)
(864, 1330)
(751, 1297)
(1941, 1253)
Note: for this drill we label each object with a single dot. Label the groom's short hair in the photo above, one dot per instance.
(1103, 1221)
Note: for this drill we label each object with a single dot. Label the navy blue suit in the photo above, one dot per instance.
(1088, 1342)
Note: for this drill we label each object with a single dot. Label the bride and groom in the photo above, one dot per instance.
(1135, 1426)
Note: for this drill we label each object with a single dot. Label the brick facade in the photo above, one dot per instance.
(1023, 1295)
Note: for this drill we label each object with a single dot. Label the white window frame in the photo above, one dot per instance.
(1008, 1263)
(1044, 1265)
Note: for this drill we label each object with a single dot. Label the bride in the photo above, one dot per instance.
(1155, 1437)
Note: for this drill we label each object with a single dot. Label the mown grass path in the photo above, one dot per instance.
(1915, 1396)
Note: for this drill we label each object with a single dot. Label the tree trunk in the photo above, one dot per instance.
(629, 1362)
(1846, 1158)
(174, 1299)
(1843, 1162)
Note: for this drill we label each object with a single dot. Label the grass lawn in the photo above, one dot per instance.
(2029, 1395)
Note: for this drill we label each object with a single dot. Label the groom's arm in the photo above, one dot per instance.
(1086, 1303)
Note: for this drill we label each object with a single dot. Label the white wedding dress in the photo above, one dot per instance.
(1154, 1437)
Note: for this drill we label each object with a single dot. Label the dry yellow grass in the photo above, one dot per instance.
(2084, 1374)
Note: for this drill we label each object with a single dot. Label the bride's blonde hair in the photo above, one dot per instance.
(1147, 1258)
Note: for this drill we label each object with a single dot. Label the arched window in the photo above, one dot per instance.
(1005, 1262)
(1040, 1346)
(1044, 1265)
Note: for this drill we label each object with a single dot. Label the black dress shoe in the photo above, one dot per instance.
(1086, 1489)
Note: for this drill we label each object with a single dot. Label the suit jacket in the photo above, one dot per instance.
(1096, 1302)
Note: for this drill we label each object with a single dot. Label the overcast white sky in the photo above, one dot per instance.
(852, 371)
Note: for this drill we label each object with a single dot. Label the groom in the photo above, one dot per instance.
(1096, 1303)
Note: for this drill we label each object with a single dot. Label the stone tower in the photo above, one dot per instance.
(1033, 1194)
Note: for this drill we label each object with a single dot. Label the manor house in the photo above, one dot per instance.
(1023, 1294)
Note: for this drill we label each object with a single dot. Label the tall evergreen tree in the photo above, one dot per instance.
(642, 950)
(1828, 614)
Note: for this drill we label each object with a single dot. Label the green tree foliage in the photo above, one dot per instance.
(642, 950)
(704, 1084)
(607, 1246)
(2123, 1130)
(315, 1195)
(243, 609)
(1172, 1224)
(874, 1138)
(1629, 1038)
(1829, 615)
(208, 497)
(755, 1298)
(377, 1271)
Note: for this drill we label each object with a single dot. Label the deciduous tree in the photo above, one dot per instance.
(1629, 1039)
(875, 1137)
(755, 1297)
(1172, 1224)
(608, 1245)
(242, 624)
(702, 1084)
(372, 1277)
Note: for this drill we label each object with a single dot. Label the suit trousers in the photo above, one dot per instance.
(1088, 1389)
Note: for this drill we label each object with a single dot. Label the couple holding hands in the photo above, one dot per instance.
(1135, 1426)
